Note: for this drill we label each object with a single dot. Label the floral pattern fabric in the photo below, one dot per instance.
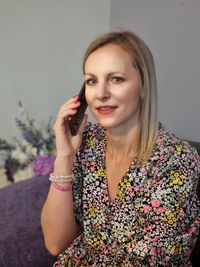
(155, 217)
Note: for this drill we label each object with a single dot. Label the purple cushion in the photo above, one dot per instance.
(21, 239)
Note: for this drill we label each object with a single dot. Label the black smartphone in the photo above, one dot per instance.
(75, 120)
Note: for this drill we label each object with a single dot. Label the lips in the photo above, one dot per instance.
(106, 109)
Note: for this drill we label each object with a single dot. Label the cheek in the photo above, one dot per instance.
(133, 102)
(89, 96)
(136, 96)
(130, 97)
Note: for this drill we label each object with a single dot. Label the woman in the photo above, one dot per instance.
(133, 200)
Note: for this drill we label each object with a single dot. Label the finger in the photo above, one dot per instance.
(68, 109)
(63, 116)
(70, 101)
(69, 106)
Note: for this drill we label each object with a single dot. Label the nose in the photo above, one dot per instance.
(102, 92)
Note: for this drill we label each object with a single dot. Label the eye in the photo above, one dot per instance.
(90, 82)
(117, 79)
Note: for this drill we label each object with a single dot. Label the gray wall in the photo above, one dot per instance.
(42, 43)
(171, 28)
(41, 48)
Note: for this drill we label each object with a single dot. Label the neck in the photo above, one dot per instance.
(123, 145)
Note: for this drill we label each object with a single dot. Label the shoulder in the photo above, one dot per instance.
(172, 145)
(176, 167)
(176, 152)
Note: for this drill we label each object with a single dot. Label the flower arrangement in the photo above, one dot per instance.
(33, 155)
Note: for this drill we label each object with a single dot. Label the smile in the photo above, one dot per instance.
(106, 109)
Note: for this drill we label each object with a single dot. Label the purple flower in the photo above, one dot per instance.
(43, 165)
(30, 133)
(26, 135)
(10, 166)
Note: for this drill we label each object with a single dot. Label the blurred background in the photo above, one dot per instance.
(42, 44)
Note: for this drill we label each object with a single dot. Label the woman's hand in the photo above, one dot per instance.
(66, 143)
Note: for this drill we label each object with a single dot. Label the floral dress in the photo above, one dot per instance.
(155, 217)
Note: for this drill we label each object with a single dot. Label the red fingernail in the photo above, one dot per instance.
(75, 96)
(74, 109)
(78, 102)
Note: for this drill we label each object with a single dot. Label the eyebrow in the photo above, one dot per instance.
(109, 74)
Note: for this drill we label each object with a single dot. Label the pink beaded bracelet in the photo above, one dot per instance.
(67, 187)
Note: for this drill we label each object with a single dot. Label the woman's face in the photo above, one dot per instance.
(113, 88)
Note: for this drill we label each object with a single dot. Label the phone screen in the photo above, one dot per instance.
(75, 120)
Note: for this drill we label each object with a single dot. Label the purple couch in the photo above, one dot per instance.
(21, 240)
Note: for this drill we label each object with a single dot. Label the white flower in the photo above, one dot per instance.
(20, 156)
(41, 153)
(25, 143)
(15, 153)
(34, 151)
(31, 151)
(23, 158)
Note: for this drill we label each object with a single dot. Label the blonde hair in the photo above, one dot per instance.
(143, 61)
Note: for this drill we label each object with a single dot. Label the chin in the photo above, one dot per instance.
(108, 123)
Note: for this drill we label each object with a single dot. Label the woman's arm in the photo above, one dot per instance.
(58, 219)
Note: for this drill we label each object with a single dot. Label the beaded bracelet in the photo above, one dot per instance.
(55, 177)
(67, 187)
